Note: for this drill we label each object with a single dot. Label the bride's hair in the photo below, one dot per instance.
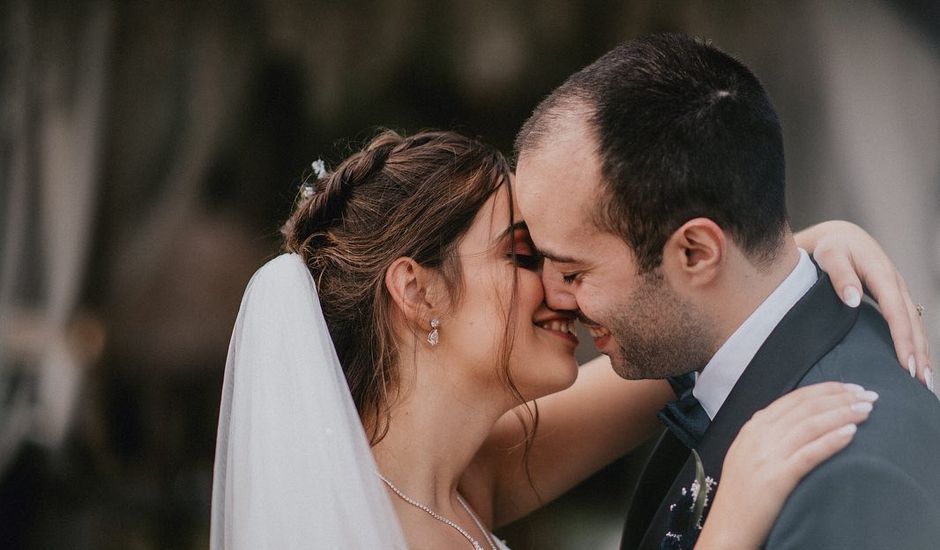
(398, 197)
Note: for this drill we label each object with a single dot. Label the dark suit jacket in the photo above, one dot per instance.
(882, 492)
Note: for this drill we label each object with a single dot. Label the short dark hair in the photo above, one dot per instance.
(683, 131)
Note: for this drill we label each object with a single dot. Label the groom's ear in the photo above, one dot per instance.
(414, 290)
(695, 252)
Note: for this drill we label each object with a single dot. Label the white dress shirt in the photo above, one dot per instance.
(715, 382)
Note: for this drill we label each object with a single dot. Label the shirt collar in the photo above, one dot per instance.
(715, 382)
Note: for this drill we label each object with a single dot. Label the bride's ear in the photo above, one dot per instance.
(414, 289)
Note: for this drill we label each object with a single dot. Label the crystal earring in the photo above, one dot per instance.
(434, 336)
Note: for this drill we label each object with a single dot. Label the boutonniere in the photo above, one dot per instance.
(688, 514)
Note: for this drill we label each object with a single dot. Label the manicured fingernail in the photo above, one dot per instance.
(848, 429)
(928, 377)
(912, 366)
(868, 396)
(862, 407)
(852, 296)
(854, 388)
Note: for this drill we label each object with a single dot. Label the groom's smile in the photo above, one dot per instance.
(587, 271)
(637, 319)
(600, 334)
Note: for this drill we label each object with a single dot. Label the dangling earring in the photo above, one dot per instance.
(434, 336)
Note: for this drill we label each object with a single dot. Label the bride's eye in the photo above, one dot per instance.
(526, 256)
(532, 262)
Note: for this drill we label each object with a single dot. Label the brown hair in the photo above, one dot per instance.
(397, 197)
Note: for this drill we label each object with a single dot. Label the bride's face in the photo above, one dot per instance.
(541, 357)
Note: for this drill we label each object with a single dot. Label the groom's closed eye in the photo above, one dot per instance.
(562, 266)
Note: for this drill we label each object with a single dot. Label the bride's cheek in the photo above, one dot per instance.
(530, 283)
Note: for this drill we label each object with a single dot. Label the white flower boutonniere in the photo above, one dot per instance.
(688, 514)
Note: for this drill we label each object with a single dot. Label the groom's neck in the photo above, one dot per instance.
(744, 286)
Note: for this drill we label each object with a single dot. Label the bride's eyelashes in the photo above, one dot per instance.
(532, 262)
(522, 252)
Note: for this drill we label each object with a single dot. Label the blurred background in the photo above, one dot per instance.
(150, 150)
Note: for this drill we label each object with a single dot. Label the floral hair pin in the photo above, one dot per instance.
(319, 169)
(319, 173)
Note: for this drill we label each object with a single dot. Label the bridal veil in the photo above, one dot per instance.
(293, 467)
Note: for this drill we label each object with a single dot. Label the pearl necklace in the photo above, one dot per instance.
(442, 519)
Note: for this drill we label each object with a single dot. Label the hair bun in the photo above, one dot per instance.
(324, 208)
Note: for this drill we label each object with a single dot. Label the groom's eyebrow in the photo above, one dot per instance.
(557, 258)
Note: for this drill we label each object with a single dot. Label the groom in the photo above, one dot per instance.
(653, 182)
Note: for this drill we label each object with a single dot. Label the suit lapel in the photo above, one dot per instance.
(809, 331)
(661, 468)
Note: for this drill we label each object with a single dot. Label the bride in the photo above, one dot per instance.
(408, 319)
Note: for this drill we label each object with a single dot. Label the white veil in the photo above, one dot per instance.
(293, 467)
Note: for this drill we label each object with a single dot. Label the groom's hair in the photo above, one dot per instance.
(683, 131)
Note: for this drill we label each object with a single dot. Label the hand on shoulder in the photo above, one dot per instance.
(773, 451)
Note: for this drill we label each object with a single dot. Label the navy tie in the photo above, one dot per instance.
(685, 417)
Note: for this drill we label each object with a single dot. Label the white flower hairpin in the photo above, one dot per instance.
(319, 169)
(319, 172)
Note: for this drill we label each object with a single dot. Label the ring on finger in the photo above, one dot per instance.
(920, 310)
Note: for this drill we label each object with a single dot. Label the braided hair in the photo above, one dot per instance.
(397, 197)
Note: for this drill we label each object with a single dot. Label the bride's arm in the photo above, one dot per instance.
(581, 429)
(854, 261)
(770, 455)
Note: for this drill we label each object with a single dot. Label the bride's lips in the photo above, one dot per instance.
(562, 327)
(600, 335)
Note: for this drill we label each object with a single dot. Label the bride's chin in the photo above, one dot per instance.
(551, 380)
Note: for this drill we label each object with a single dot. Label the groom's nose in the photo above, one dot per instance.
(558, 295)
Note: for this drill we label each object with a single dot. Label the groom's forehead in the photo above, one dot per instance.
(566, 168)
(572, 196)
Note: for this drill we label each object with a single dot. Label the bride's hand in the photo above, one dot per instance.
(773, 451)
(852, 258)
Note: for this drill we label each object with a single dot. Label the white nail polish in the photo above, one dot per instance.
(868, 396)
(854, 388)
(928, 376)
(848, 429)
(862, 407)
(852, 297)
(912, 366)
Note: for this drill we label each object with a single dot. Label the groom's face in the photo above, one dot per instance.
(637, 319)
